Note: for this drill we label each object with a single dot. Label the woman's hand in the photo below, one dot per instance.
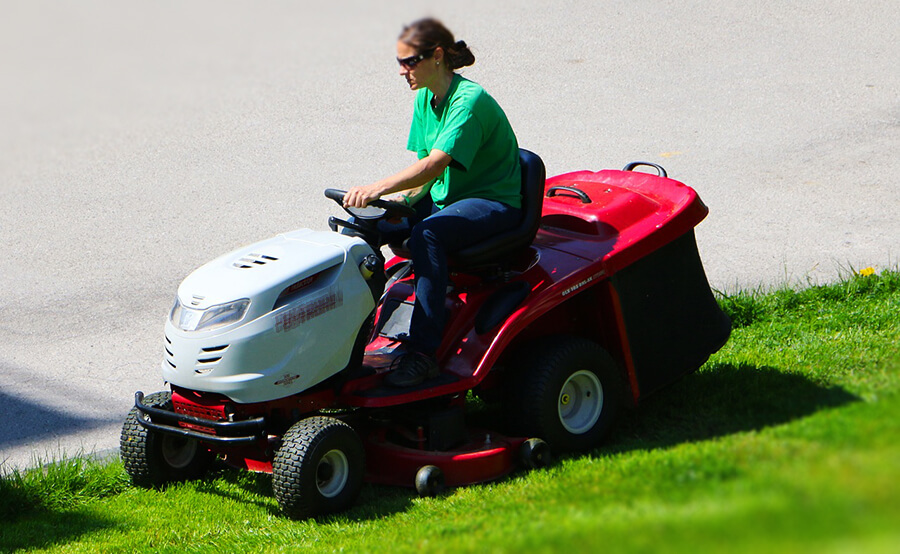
(359, 197)
(415, 176)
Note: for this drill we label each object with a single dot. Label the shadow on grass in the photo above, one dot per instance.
(723, 399)
(240, 486)
(374, 502)
(720, 400)
(39, 529)
(46, 506)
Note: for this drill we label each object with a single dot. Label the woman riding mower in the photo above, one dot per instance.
(468, 163)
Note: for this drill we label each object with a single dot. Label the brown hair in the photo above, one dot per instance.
(427, 34)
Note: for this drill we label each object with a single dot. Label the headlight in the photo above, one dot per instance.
(188, 319)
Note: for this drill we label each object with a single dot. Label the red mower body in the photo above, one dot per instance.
(630, 246)
(614, 264)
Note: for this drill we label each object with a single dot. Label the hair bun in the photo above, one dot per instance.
(460, 55)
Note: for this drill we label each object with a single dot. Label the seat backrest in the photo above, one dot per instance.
(500, 246)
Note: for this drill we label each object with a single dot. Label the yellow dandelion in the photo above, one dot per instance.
(867, 271)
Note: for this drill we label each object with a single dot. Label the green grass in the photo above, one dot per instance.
(787, 440)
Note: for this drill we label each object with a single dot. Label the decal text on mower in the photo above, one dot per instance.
(295, 316)
(577, 286)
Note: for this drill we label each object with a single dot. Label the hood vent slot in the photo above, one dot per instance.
(254, 260)
(215, 349)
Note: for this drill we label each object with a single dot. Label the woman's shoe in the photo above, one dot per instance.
(411, 369)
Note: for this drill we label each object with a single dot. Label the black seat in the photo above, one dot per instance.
(498, 247)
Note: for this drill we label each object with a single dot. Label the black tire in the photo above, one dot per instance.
(430, 481)
(566, 390)
(319, 468)
(152, 459)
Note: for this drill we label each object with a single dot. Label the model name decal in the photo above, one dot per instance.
(577, 286)
(314, 308)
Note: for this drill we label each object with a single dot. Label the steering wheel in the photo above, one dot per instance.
(376, 209)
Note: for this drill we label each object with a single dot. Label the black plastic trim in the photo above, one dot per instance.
(659, 168)
(585, 199)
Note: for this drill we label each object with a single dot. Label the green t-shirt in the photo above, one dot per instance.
(471, 128)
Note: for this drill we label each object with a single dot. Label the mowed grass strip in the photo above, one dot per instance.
(788, 440)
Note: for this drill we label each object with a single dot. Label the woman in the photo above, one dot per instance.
(468, 162)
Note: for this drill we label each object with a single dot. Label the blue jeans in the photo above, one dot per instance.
(431, 241)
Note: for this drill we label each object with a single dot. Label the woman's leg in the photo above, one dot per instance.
(457, 226)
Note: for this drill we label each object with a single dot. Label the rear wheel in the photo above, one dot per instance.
(152, 459)
(319, 468)
(567, 391)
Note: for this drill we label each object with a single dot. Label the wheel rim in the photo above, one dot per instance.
(580, 402)
(178, 452)
(332, 473)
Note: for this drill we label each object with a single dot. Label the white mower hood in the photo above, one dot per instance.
(271, 319)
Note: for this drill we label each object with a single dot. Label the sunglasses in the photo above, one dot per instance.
(412, 61)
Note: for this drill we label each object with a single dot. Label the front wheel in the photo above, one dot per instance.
(153, 459)
(319, 468)
(566, 390)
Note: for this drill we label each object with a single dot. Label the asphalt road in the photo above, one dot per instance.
(138, 141)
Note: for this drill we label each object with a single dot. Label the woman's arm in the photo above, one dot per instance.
(418, 174)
